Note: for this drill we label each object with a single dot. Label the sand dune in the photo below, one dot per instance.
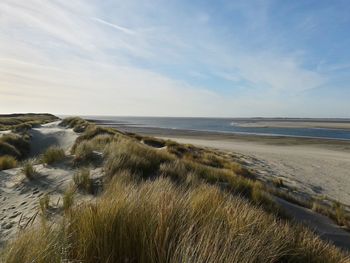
(51, 135)
(19, 197)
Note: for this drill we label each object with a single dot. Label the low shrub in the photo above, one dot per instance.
(52, 155)
(7, 162)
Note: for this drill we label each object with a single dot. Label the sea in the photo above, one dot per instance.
(225, 125)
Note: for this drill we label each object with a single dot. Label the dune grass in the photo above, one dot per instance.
(15, 145)
(7, 162)
(76, 123)
(29, 170)
(44, 204)
(23, 122)
(68, 198)
(175, 204)
(52, 155)
(83, 181)
(160, 221)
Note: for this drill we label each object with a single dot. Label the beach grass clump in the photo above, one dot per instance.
(207, 157)
(135, 157)
(76, 123)
(160, 221)
(7, 162)
(52, 155)
(23, 122)
(83, 180)
(91, 132)
(68, 198)
(28, 169)
(44, 203)
(8, 149)
(340, 215)
(15, 145)
(278, 182)
(84, 152)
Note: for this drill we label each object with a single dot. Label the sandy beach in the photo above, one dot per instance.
(314, 166)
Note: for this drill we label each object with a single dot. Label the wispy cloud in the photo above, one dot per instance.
(122, 29)
(145, 58)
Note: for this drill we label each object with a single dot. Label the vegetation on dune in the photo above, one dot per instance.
(68, 198)
(44, 204)
(167, 202)
(83, 181)
(29, 170)
(52, 155)
(75, 123)
(7, 162)
(15, 145)
(160, 221)
(23, 122)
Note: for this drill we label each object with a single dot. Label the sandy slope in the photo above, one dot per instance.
(312, 168)
(50, 135)
(19, 197)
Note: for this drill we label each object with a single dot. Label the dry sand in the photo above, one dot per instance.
(313, 168)
(19, 197)
(51, 135)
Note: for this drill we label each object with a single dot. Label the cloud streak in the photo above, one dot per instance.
(120, 28)
(140, 58)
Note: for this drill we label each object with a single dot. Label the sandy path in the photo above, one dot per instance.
(313, 169)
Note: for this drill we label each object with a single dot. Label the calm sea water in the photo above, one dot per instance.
(220, 125)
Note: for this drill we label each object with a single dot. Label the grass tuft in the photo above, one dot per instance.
(44, 203)
(83, 181)
(29, 170)
(52, 155)
(68, 198)
(159, 221)
(7, 162)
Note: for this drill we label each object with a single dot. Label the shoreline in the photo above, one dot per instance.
(244, 137)
(317, 167)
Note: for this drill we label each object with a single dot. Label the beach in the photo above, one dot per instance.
(317, 167)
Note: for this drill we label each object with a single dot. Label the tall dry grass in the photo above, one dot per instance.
(160, 221)
(53, 154)
(7, 162)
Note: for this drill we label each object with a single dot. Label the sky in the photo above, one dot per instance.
(219, 58)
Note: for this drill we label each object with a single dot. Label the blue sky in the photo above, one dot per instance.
(176, 58)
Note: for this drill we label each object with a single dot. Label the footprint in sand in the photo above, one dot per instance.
(14, 215)
(7, 225)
